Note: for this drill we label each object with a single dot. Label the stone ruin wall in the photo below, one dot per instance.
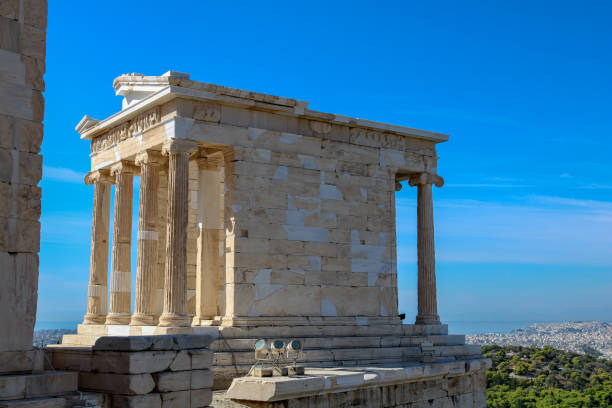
(22, 65)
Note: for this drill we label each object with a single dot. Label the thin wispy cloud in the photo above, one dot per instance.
(531, 229)
(66, 228)
(564, 181)
(63, 174)
(595, 205)
(490, 182)
(595, 186)
(508, 179)
(489, 185)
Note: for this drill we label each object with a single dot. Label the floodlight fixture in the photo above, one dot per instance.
(294, 346)
(277, 349)
(273, 355)
(261, 349)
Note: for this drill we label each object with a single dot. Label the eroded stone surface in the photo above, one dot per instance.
(127, 384)
(42, 384)
(161, 342)
(175, 377)
(21, 361)
(22, 49)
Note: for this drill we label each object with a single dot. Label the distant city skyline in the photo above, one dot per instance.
(523, 222)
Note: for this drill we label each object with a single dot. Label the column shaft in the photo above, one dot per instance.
(427, 301)
(175, 286)
(97, 292)
(146, 266)
(428, 309)
(121, 271)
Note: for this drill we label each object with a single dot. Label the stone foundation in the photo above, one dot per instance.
(447, 384)
(347, 346)
(143, 371)
(325, 345)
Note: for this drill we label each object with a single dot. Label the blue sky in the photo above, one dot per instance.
(523, 224)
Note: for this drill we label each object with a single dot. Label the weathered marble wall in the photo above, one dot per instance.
(22, 65)
(309, 214)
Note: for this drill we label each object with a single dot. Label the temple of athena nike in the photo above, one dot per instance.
(259, 217)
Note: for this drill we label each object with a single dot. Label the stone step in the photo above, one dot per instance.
(311, 343)
(353, 354)
(87, 334)
(47, 383)
(79, 339)
(223, 374)
(326, 331)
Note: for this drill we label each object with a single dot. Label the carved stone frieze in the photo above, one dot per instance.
(320, 127)
(126, 130)
(373, 138)
(207, 112)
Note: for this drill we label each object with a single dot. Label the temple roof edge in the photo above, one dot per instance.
(142, 92)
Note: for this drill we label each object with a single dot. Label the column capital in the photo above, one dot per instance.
(150, 157)
(179, 146)
(420, 179)
(124, 166)
(102, 175)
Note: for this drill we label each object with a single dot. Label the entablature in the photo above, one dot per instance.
(141, 93)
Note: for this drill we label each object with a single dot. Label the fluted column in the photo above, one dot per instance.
(121, 269)
(175, 282)
(148, 237)
(427, 303)
(97, 291)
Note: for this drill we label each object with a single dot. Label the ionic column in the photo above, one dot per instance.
(146, 264)
(97, 291)
(428, 307)
(121, 270)
(175, 285)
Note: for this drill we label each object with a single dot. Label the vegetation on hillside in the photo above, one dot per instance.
(532, 377)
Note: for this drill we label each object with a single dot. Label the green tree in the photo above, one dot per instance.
(586, 381)
(521, 368)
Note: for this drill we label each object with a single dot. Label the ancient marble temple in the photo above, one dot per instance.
(257, 217)
(253, 210)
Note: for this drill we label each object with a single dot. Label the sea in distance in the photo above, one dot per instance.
(454, 326)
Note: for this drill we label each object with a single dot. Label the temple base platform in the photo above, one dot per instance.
(325, 345)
